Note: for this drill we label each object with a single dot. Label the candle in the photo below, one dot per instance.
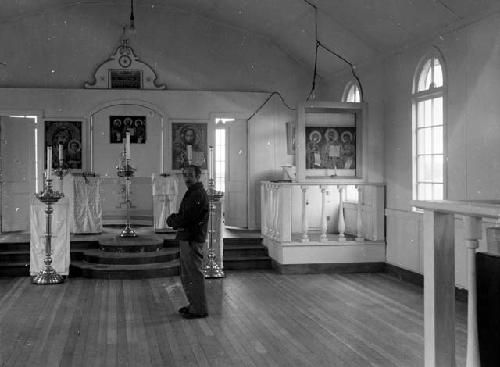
(127, 148)
(49, 163)
(210, 162)
(190, 153)
(61, 158)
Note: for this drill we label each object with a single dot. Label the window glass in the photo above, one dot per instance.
(428, 131)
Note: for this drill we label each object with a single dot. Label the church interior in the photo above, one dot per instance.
(349, 150)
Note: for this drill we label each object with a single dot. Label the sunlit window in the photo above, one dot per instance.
(220, 152)
(351, 93)
(220, 159)
(428, 131)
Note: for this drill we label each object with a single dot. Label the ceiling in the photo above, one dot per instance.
(359, 30)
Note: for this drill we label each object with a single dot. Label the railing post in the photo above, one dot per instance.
(323, 237)
(439, 289)
(270, 229)
(263, 208)
(305, 237)
(285, 213)
(472, 232)
(359, 214)
(276, 216)
(341, 224)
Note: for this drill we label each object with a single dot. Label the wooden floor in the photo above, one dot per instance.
(256, 319)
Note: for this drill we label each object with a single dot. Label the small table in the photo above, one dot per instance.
(60, 236)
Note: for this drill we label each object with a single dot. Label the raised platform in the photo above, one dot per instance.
(149, 255)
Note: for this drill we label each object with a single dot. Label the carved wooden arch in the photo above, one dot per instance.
(124, 70)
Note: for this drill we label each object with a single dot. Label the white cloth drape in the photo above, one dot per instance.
(84, 194)
(165, 191)
(60, 236)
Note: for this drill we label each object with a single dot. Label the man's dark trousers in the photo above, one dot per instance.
(192, 277)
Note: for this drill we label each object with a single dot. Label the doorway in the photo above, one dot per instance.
(19, 163)
(231, 169)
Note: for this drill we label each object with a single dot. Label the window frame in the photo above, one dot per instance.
(351, 84)
(420, 96)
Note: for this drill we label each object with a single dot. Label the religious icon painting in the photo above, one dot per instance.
(330, 147)
(67, 134)
(119, 125)
(189, 144)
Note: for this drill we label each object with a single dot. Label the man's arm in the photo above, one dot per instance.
(192, 213)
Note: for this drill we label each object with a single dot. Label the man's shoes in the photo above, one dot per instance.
(184, 310)
(191, 315)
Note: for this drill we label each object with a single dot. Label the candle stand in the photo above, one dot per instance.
(212, 269)
(60, 172)
(127, 171)
(48, 275)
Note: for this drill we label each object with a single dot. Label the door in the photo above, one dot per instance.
(17, 150)
(235, 200)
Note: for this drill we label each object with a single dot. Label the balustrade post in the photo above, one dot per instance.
(323, 237)
(472, 232)
(359, 215)
(285, 210)
(341, 224)
(270, 229)
(305, 237)
(276, 205)
(264, 199)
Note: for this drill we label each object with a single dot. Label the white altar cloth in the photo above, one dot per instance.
(165, 191)
(60, 236)
(84, 194)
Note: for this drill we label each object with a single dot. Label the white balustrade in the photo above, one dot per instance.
(301, 211)
(305, 237)
(439, 276)
(323, 237)
(472, 231)
(359, 215)
(341, 225)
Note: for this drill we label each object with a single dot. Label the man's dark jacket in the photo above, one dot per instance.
(191, 222)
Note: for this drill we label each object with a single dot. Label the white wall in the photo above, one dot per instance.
(169, 105)
(472, 59)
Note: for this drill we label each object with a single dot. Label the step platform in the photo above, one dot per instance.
(118, 257)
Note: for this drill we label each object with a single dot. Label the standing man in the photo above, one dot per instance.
(191, 223)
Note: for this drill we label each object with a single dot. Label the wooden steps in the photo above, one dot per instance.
(133, 258)
(245, 254)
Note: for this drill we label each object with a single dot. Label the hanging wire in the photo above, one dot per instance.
(267, 100)
(132, 19)
(318, 45)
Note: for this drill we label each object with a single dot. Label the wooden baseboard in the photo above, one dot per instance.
(375, 267)
(418, 279)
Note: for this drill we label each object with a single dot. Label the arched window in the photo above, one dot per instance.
(351, 93)
(428, 130)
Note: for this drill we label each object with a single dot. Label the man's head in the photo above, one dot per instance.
(189, 136)
(191, 175)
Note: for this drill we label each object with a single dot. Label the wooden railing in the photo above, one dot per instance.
(291, 211)
(439, 276)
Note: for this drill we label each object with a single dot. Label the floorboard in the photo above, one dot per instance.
(256, 319)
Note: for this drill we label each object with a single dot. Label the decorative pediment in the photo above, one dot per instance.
(124, 70)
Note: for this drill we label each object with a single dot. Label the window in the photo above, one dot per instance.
(220, 159)
(428, 130)
(351, 92)
(220, 153)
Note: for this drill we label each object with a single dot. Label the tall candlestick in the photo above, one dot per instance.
(49, 163)
(61, 158)
(127, 148)
(190, 153)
